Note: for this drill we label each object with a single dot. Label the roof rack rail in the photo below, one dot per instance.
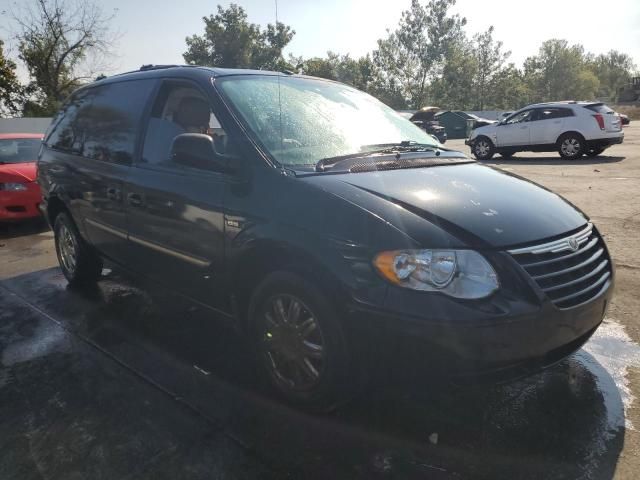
(150, 66)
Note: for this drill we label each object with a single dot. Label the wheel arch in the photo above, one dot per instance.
(254, 262)
(486, 137)
(569, 132)
(55, 206)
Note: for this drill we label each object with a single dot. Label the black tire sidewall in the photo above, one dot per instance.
(332, 388)
(88, 263)
(595, 152)
(489, 155)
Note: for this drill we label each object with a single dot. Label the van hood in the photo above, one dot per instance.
(480, 206)
(18, 172)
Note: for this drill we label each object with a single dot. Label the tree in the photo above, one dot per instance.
(342, 68)
(408, 59)
(10, 89)
(62, 43)
(560, 72)
(230, 41)
(454, 88)
(490, 59)
(510, 89)
(614, 70)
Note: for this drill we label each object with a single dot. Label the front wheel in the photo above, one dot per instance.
(299, 342)
(483, 148)
(79, 263)
(571, 146)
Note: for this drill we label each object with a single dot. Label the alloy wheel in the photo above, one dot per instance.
(482, 148)
(68, 248)
(570, 147)
(293, 344)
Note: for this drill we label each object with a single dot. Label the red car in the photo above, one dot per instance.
(19, 193)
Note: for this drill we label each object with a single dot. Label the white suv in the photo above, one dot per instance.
(570, 128)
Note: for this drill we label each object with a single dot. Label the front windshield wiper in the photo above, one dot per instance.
(401, 147)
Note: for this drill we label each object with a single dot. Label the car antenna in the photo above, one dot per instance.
(279, 99)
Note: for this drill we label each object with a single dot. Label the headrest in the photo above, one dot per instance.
(192, 112)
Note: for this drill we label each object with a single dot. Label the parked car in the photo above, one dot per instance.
(425, 119)
(572, 128)
(624, 119)
(455, 122)
(19, 192)
(323, 253)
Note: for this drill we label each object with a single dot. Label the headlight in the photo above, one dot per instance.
(13, 187)
(457, 273)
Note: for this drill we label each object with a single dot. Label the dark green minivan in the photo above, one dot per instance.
(320, 223)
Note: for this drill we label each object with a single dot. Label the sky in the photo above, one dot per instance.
(153, 31)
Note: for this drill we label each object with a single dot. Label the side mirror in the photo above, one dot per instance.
(197, 150)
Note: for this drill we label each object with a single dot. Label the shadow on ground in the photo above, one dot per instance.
(557, 424)
(23, 228)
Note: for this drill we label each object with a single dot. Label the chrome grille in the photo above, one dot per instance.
(571, 270)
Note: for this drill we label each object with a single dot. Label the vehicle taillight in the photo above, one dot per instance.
(600, 119)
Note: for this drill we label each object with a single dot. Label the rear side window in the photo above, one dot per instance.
(113, 124)
(67, 128)
(550, 113)
(101, 122)
(600, 108)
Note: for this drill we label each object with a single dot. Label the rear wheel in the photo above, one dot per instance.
(79, 263)
(594, 152)
(571, 146)
(483, 148)
(299, 342)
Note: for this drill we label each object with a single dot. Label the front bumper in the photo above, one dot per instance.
(19, 205)
(502, 338)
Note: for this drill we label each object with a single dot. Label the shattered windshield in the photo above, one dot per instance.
(302, 120)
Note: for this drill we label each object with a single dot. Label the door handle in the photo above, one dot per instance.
(113, 193)
(134, 199)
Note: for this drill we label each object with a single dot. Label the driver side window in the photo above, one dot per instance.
(179, 108)
(520, 117)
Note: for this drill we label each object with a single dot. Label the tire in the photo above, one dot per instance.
(79, 262)
(299, 342)
(507, 154)
(571, 146)
(594, 152)
(483, 149)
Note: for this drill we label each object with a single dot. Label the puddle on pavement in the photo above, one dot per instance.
(45, 339)
(614, 351)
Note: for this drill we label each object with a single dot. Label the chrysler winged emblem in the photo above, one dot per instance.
(573, 244)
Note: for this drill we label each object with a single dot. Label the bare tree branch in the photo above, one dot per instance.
(57, 41)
